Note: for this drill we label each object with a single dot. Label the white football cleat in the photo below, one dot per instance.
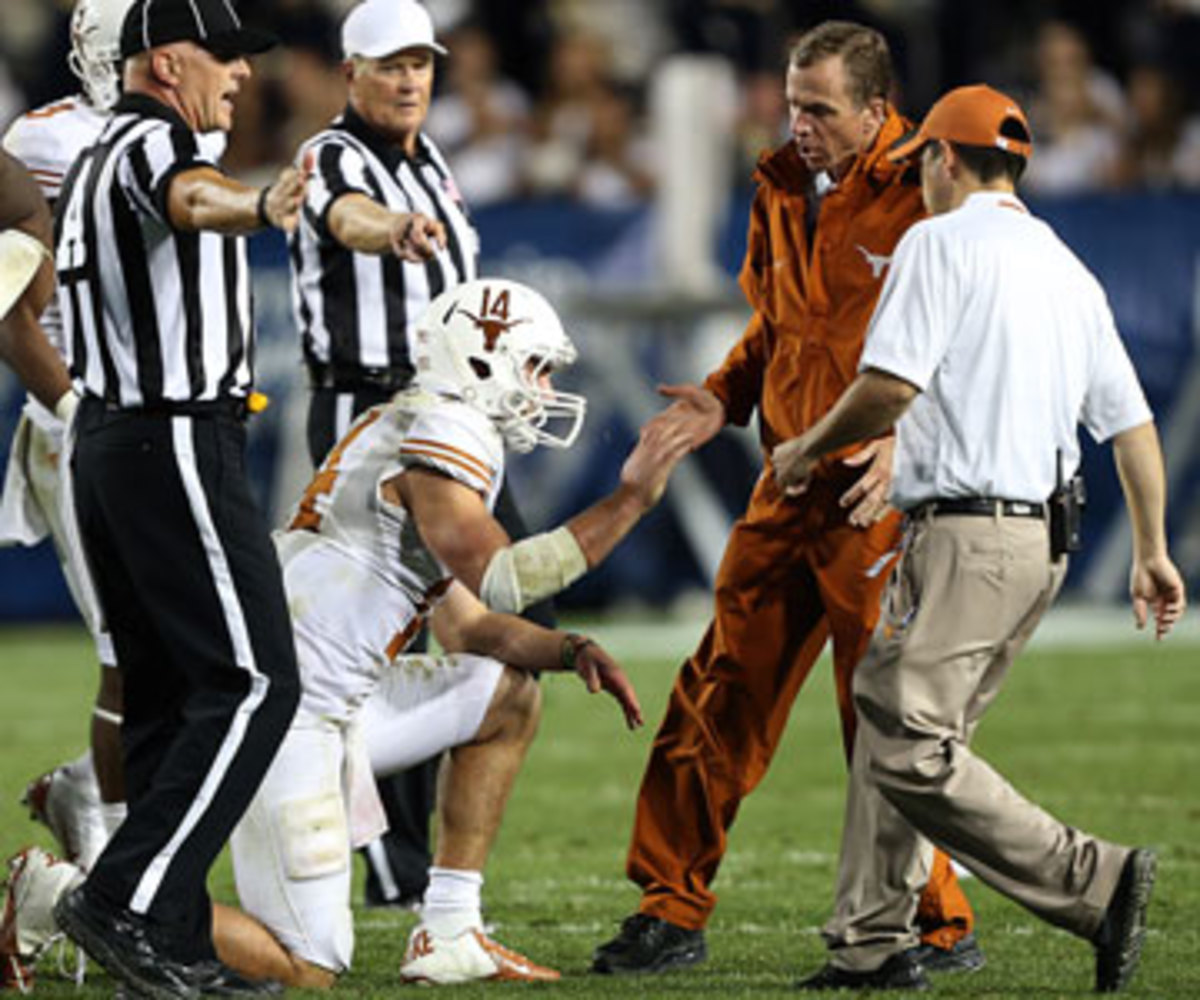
(27, 927)
(67, 801)
(469, 956)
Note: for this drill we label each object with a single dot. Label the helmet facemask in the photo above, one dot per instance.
(95, 49)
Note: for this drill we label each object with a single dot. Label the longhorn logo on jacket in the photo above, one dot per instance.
(877, 261)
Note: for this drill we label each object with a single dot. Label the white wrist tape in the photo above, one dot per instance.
(67, 403)
(532, 570)
(21, 257)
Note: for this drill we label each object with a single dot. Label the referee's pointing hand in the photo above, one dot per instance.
(285, 196)
(416, 237)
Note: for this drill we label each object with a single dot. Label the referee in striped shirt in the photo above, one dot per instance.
(384, 231)
(155, 295)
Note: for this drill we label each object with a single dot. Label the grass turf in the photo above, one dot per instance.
(1105, 737)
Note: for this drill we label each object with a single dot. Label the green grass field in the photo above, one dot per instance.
(1107, 736)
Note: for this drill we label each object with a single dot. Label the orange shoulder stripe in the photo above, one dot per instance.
(451, 460)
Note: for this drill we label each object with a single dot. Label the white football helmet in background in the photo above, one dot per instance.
(96, 48)
(493, 343)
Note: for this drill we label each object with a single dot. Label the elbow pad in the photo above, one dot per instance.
(21, 257)
(532, 570)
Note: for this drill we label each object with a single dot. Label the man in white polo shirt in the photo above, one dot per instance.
(990, 343)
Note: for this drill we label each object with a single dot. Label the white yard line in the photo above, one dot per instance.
(646, 636)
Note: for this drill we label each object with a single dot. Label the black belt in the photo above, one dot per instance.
(980, 507)
(233, 407)
(356, 378)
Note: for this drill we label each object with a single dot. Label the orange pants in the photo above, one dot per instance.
(793, 574)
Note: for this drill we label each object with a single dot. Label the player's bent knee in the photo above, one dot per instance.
(310, 976)
(515, 709)
(524, 697)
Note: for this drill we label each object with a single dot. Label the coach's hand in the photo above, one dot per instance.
(600, 672)
(793, 466)
(869, 496)
(416, 237)
(696, 411)
(1155, 584)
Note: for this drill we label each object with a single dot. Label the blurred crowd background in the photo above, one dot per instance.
(547, 98)
(605, 149)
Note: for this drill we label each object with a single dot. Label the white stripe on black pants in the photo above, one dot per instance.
(192, 593)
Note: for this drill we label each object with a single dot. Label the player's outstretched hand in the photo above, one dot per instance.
(696, 411)
(1156, 584)
(285, 196)
(661, 445)
(600, 672)
(416, 237)
(869, 495)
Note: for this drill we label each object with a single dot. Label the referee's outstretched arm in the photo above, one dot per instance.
(205, 198)
(362, 224)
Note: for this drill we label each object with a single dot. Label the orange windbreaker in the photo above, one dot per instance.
(812, 304)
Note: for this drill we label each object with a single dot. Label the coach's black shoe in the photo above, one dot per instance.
(215, 978)
(121, 941)
(964, 956)
(649, 944)
(1123, 930)
(900, 972)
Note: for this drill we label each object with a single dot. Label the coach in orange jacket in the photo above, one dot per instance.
(828, 212)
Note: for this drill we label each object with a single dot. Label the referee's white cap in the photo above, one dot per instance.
(377, 28)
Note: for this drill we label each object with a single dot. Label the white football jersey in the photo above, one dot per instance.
(359, 578)
(47, 140)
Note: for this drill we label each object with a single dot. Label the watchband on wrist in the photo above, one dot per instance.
(262, 208)
(573, 644)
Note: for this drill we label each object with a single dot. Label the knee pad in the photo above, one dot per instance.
(314, 838)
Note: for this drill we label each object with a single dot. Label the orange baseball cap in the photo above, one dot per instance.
(971, 116)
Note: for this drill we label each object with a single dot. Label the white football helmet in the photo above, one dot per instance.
(493, 344)
(96, 48)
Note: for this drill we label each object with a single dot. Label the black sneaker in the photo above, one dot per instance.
(121, 941)
(1123, 930)
(964, 955)
(215, 978)
(649, 944)
(900, 972)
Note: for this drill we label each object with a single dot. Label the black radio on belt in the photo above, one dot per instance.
(1065, 506)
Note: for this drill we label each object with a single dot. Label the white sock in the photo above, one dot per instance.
(113, 815)
(452, 901)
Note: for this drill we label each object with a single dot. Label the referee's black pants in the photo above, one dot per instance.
(398, 862)
(191, 590)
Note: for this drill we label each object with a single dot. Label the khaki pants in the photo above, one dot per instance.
(966, 596)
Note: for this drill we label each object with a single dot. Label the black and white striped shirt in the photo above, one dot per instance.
(355, 310)
(152, 316)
